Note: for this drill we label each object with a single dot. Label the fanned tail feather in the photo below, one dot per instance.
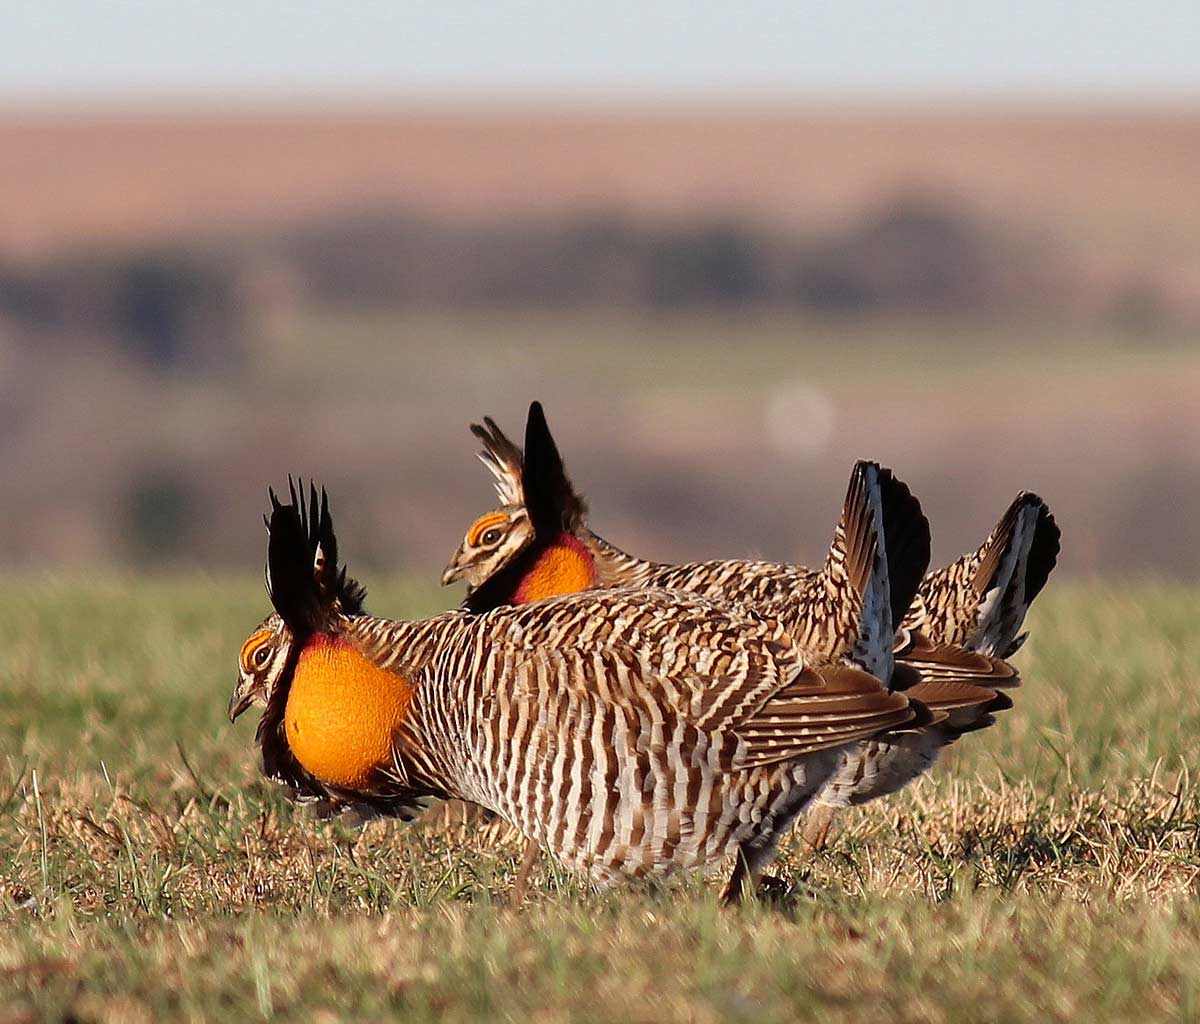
(878, 557)
(980, 601)
(906, 542)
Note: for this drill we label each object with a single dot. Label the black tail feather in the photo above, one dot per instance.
(1043, 552)
(906, 542)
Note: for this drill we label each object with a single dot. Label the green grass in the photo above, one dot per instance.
(1048, 869)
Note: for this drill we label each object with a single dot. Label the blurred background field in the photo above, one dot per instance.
(721, 308)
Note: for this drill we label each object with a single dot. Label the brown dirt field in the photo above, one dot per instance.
(1115, 180)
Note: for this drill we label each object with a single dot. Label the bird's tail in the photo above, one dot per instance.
(980, 600)
(879, 554)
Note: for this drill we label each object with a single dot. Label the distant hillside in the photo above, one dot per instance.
(1102, 181)
(721, 310)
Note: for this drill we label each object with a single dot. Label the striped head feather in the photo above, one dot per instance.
(539, 509)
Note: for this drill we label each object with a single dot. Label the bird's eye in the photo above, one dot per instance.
(261, 656)
(490, 537)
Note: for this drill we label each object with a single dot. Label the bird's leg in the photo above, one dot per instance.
(522, 884)
(744, 878)
(817, 823)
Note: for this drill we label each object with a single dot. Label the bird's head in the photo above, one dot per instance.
(538, 506)
(307, 588)
(261, 665)
(491, 543)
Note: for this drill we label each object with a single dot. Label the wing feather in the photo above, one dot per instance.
(720, 670)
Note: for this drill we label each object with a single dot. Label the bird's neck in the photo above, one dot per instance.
(563, 567)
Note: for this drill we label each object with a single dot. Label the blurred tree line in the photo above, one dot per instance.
(911, 254)
(190, 306)
(108, 338)
(169, 309)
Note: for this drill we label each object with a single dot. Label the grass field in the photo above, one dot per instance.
(1050, 869)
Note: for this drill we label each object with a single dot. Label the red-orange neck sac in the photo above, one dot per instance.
(342, 712)
(565, 567)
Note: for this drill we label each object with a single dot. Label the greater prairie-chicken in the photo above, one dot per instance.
(633, 732)
(955, 624)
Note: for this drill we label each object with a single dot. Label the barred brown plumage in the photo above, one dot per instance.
(632, 732)
(954, 622)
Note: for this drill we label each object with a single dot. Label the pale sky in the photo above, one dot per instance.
(841, 49)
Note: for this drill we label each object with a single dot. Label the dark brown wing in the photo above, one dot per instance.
(952, 663)
(822, 708)
(959, 686)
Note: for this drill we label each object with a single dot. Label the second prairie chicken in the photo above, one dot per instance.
(956, 624)
(632, 732)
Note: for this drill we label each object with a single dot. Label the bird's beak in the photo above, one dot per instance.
(454, 571)
(239, 701)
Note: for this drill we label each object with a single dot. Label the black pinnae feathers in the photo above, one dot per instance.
(550, 498)
(535, 477)
(304, 581)
(289, 575)
(336, 584)
(351, 594)
(325, 557)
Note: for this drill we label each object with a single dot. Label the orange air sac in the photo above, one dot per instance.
(342, 713)
(566, 567)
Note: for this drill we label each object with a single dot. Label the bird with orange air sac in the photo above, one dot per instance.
(632, 732)
(955, 626)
